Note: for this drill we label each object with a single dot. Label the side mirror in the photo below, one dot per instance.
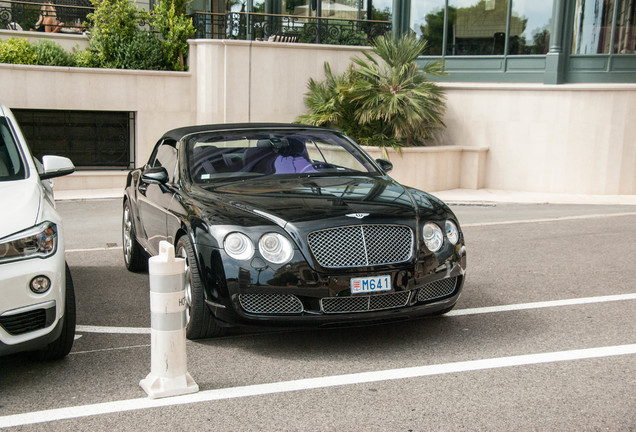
(386, 165)
(156, 175)
(56, 166)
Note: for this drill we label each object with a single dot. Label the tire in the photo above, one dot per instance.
(200, 322)
(134, 257)
(60, 347)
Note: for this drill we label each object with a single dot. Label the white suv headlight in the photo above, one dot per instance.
(275, 248)
(39, 241)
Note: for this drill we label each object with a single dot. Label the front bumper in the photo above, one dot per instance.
(303, 297)
(29, 320)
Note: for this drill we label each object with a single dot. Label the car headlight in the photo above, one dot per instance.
(433, 236)
(39, 241)
(238, 246)
(275, 248)
(452, 233)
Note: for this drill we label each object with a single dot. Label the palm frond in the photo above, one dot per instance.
(385, 102)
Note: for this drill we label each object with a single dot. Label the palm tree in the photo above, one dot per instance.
(397, 93)
(328, 102)
(383, 99)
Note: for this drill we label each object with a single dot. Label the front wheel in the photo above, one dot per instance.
(199, 320)
(133, 254)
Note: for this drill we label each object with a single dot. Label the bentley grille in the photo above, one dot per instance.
(361, 245)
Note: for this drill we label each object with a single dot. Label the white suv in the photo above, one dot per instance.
(37, 301)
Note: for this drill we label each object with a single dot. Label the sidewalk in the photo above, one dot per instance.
(500, 196)
(63, 195)
(455, 196)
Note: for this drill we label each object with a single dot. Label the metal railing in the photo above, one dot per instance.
(287, 28)
(68, 15)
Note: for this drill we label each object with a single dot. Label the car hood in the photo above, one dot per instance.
(340, 200)
(20, 202)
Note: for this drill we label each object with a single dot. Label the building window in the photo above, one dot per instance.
(91, 139)
(478, 28)
(530, 27)
(625, 35)
(593, 24)
(483, 27)
(427, 21)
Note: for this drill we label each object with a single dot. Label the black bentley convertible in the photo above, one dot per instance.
(289, 225)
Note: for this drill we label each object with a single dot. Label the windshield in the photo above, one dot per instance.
(213, 156)
(11, 167)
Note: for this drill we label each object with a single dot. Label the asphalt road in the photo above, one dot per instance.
(543, 338)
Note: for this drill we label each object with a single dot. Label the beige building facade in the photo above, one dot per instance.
(573, 138)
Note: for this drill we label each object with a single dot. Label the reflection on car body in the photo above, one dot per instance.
(289, 225)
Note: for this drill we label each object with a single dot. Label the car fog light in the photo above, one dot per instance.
(40, 284)
(433, 237)
(452, 233)
(275, 248)
(238, 246)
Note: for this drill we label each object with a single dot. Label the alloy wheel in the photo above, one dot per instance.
(188, 283)
(127, 234)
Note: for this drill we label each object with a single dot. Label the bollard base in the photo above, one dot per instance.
(159, 387)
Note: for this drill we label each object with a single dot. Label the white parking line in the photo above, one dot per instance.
(458, 312)
(540, 305)
(111, 349)
(97, 249)
(312, 383)
(556, 219)
(112, 330)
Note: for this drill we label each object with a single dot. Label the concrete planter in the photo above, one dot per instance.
(437, 168)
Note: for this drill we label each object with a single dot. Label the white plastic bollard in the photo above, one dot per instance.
(168, 371)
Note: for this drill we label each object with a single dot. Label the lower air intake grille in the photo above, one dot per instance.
(25, 322)
(277, 304)
(437, 289)
(364, 303)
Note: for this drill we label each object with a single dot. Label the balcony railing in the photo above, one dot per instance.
(287, 28)
(69, 15)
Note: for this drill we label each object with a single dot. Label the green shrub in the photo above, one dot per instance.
(175, 29)
(114, 22)
(17, 51)
(49, 53)
(143, 51)
(86, 58)
(118, 41)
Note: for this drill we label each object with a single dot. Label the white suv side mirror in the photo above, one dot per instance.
(56, 166)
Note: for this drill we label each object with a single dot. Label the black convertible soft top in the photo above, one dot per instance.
(179, 133)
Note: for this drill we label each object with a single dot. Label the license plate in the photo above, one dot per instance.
(370, 284)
